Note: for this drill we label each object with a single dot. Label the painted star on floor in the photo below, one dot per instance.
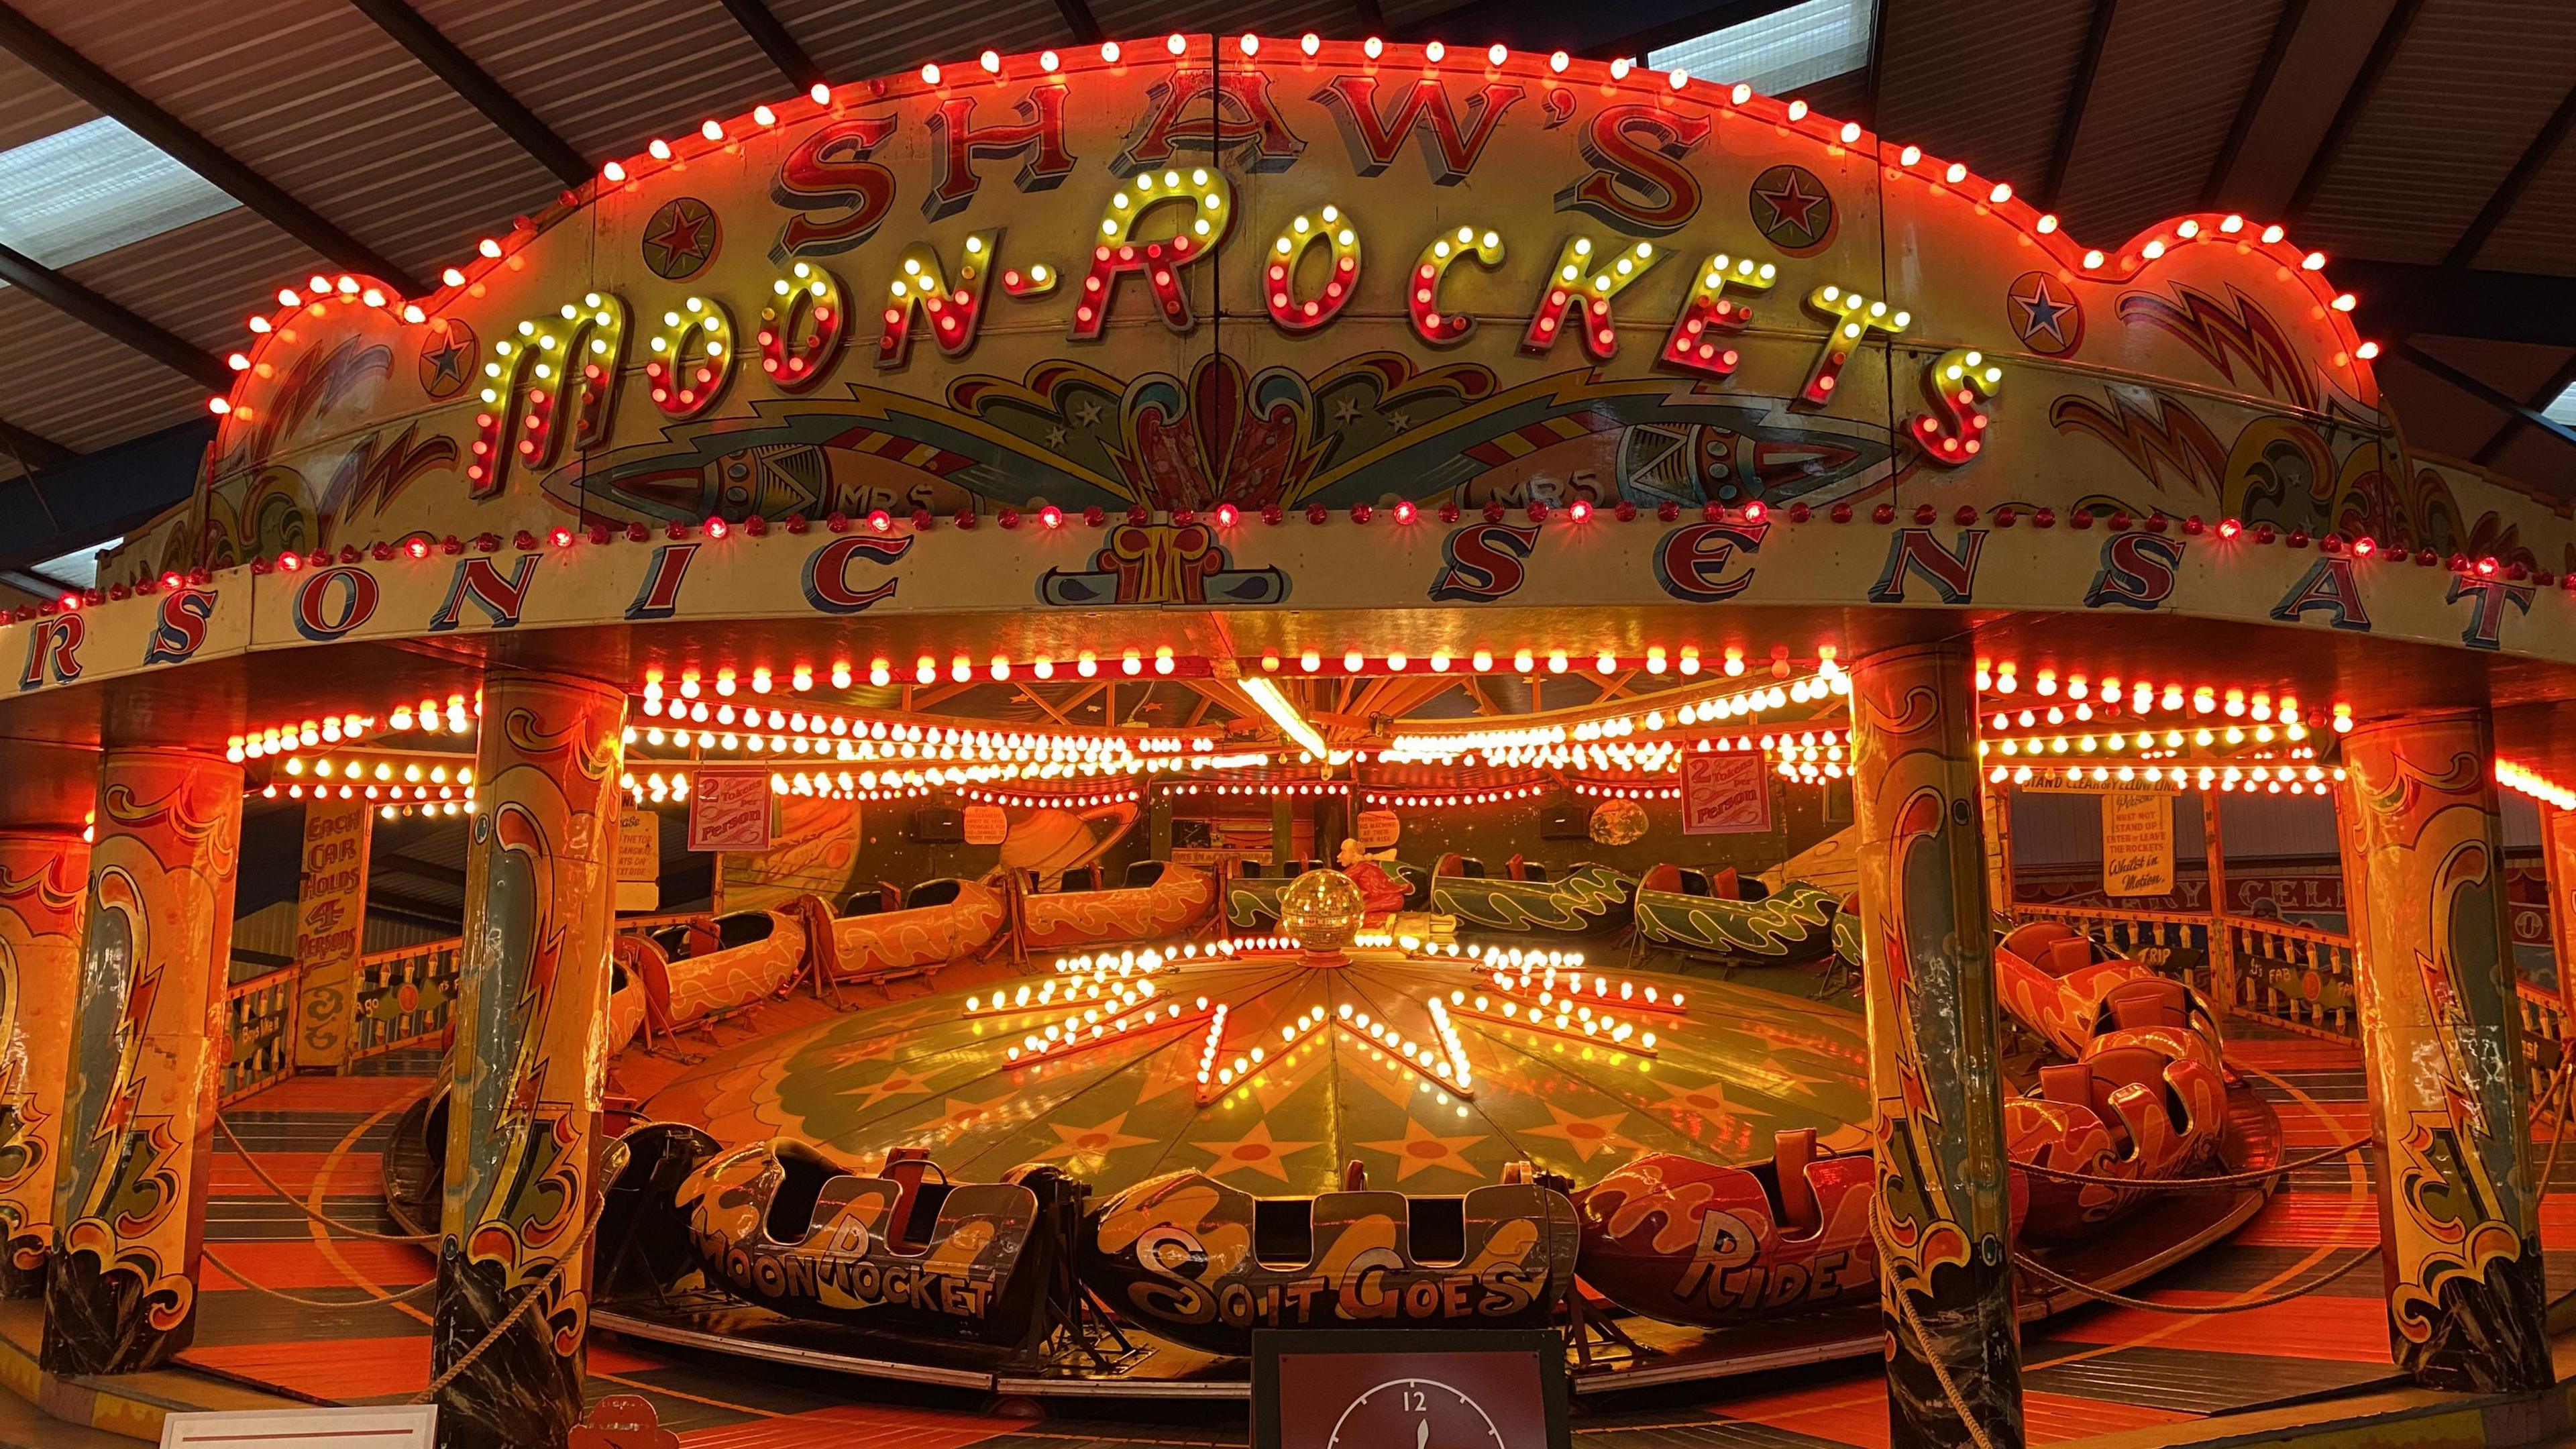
(1255, 1151)
(957, 1114)
(897, 1083)
(1586, 1135)
(1085, 1149)
(1421, 1148)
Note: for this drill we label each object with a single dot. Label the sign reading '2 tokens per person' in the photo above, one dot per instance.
(731, 811)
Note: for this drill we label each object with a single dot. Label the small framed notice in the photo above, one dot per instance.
(1408, 1389)
(730, 810)
(1725, 794)
(403, 1426)
(2137, 845)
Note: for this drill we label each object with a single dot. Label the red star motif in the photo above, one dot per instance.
(682, 238)
(1792, 205)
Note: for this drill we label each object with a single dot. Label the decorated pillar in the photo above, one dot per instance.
(1944, 1190)
(522, 1145)
(2442, 1043)
(44, 875)
(139, 1096)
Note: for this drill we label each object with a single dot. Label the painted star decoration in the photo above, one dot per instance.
(444, 365)
(1793, 206)
(683, 241)
(1585, 1135)
(2040, 314)
(897, 1083)
(1086, 1148)
(1255, 1151)
(1421, 1149)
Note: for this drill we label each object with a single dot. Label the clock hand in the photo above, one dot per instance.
(1421, 1434)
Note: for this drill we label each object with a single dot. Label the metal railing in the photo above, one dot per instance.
(259, 1033)
(406, 996)
(2544, 1037)
(2294, 977)
(2168, 941)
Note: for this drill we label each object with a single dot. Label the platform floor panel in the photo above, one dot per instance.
(2089, 1372)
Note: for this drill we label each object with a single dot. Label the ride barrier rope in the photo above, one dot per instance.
(236, 1274)
(2185, 1184)
(518, 1310)
(326, 1220)
(2050, 1275)
(1905, 1309)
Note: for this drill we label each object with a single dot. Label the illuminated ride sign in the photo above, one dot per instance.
(1165, 306)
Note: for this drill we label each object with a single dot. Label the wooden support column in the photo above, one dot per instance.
(330, 930)
(2223, 988)
(523, 1125)
(1997, 807)
(1944, 1190)
(2558, 864)
(44, 880)
(138, 1104)
(2442, 1045)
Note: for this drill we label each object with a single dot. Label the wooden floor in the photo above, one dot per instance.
(2090, 1372)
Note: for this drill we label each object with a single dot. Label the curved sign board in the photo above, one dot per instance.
(1078, 332)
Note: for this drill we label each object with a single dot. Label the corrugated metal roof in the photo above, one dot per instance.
(610, 75)
(322, 103)
(233, 262)
(2158, 116)
(34, 106)
(854, 42)
(2460, 426)
(76, 387)
(2465, 94)
(1986, 91)
(2536, 237)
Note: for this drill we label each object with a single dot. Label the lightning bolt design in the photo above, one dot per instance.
(2225, 336)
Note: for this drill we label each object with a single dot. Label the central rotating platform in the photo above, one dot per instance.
(1728, 1068)
(1292, 1077)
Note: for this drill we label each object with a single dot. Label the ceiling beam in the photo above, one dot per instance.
(1371, 15)
(2486, 393)
(2516, 181)
(31, 450)
(2493, 448)
(1051, 712)
(770, 34)
(433, 49)
(86, 500)
(413, 909)
(1079, 19)
(109, 96)
(2356, 99)
(2257, 86)
(396, 863)
(1877, 64)
(2070, 117)
(131, 328)
(2396, 300)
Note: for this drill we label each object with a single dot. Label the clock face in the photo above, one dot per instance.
(1414, 1414)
